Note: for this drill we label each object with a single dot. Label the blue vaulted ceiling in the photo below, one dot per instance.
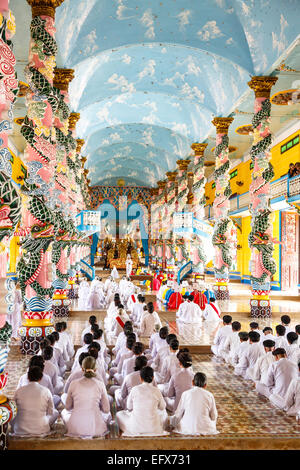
(151, 74)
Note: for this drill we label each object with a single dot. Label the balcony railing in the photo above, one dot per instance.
(283, 187)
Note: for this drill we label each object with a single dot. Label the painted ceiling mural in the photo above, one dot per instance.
(150, 75)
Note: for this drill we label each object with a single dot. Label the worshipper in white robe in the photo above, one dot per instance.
(279, 377)
(231, 343)
(138, 309)
(83, 293)
(281, 341)
(87, 339)
(223, 332)
(36, 414)
(46, 380)
(111, 312)
(240, 351)
(51, 370)
(297, 330)
(212, 312)
(149, 321)
(107, 283)
(192, 313)
(146, 409)
(292, 399)
(170, 367)
(180, 381)
(132, 300)
(119, 321)
(261, 368)
(286, 322)
(162, 354)
(129, 264)
(117, 375)
(293, 350)
(130, 381)
(15, 318)
(161, 291)
(98, 338)
(251, 355)
(196, 413)
(87, 329)
(87, 404)
(58, 354)
(128, 292)
(114, 274)
(66, 340)
(121, 341)
(158, 340)
(267, 334)
(96, 299)
(129, 363)
(123, 284)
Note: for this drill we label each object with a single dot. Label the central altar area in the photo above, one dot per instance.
(117, 252)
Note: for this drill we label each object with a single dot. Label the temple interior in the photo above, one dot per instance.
(165, 132)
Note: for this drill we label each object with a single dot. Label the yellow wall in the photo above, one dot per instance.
(280, 163)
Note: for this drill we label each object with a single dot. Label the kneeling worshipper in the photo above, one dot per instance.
(149, 321)
(280, 375)
(231, 343)
(83, 293)
(146, 409)
(212, 312)
(292, 400)
(293, 351)
(162, 288)
(119, 321)
(130, 381)
(87, 406)
(262, 365)
(158, 340)
(38, 361)
(196, 413)
(96, 299)
(221, 335)
(251, 355)
(180, 381)
(171, 365)
(36, 414)
(191, 313)
(114, 274)
(175, 299)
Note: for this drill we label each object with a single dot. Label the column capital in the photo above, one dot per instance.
(62, 78)
(73, 119)
(161, 184)
(222, 124)
(44, 7)
(262, 86)
(83, 160)
(199, 149)
(171, 175)
(183, 164)
(80, 143)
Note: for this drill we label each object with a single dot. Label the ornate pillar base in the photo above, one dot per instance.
(31, 336)
(221, 291)
(60, 311)
(61, 303)
(260, 305)
(8, 411)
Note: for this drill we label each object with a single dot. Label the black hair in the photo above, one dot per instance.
(95, 345)
(64, 325)
(128, 323)
(37, 361)
(51, 339)
(94, 327)
(138, 348)
(212, 299)
(174, 344)
(140, 362)
(285, 319)
(244, 336)
(150, 307)
(92, 319)
(292, 337)
(279, 352)
(280, 330)
(268, 343)
(82, 356)
(45, 342)
(128, 331)
(146, 374)
(267, 328)
(47, 353)
(185, 359)
(142, 298)
(130, 342)
(59, 327)
(139, 297)
(254, 325)
(97, 334)
(227, 319)
(163, 332)
(191, 297)
(254, 336)
(199, 379)
(236, 326)
(170, 337)
(55, 335)
(35, 374)
(93, 352)
(88, 338)
(297, 329)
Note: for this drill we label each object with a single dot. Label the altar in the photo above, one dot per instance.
(117, 254)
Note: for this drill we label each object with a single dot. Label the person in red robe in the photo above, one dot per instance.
(199, 298)
(175, 299)
(156, 282)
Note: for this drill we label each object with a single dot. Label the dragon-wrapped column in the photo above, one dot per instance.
(198, 255)
(262, 264)
(10, 202)
(223, 225)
